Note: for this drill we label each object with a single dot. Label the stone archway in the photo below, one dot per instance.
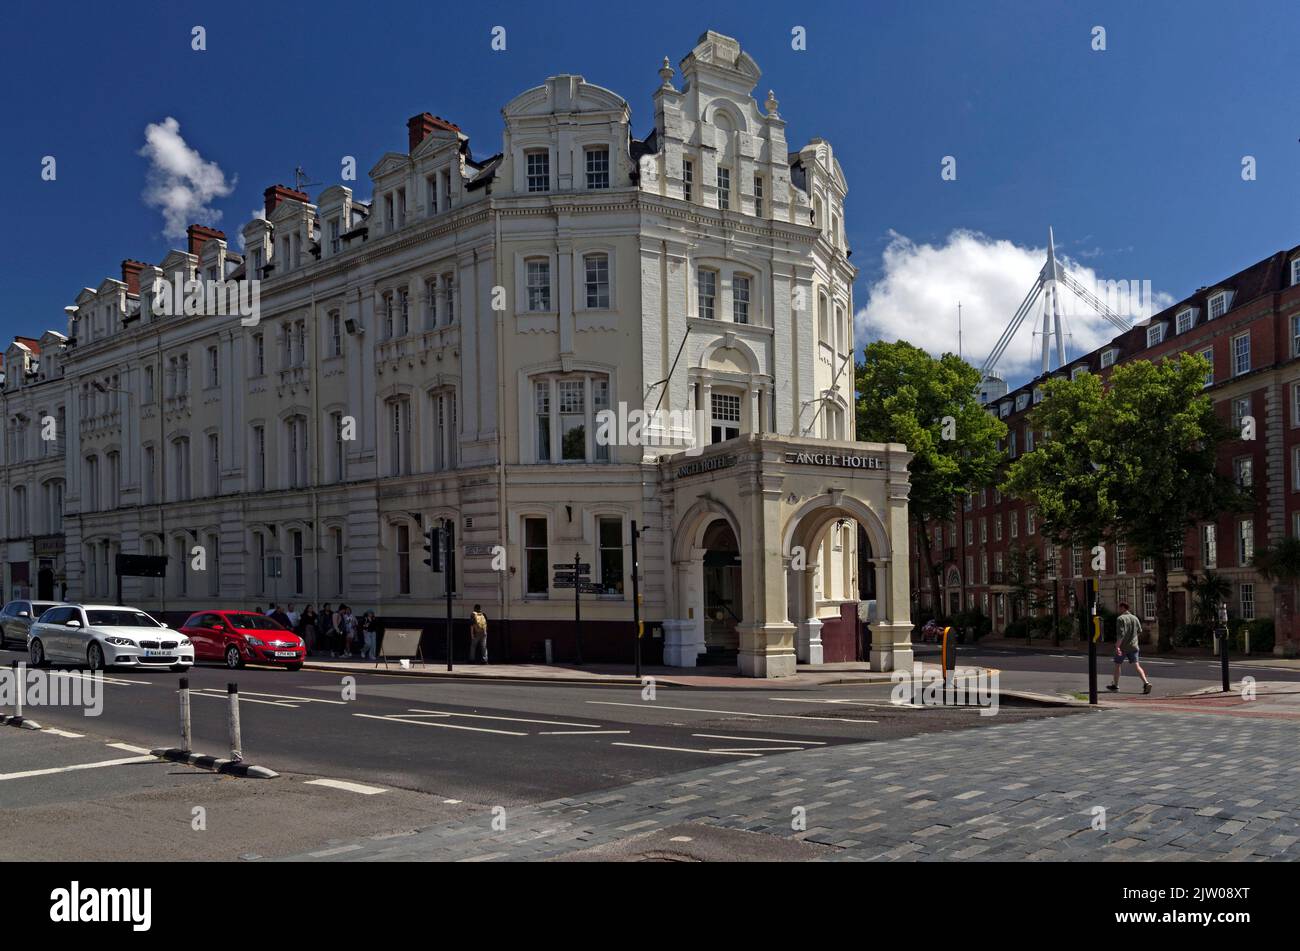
(685, 638)
(803, 543)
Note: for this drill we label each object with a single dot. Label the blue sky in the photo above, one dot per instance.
(1132, 154)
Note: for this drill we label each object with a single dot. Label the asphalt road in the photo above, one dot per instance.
(401, 753)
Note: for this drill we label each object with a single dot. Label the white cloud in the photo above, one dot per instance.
(916, 300)
(180, 182)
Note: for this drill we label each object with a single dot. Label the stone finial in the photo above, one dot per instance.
(666, 73)
(771, 103)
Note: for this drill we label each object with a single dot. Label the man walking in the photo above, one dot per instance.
(478, 634)
(1128, 629)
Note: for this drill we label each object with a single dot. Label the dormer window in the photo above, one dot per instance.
(1295, 271)
(1022, 401)
(1108, 357)
(1218, 305)
(1185, 320)
(1077, 372)
(1155, 334)
(1004, 410)
(1038, 396)
(335, 242)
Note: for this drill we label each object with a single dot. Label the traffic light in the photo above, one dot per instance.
(433, 545)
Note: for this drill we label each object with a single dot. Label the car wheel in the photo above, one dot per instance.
(233, 660)
(95, 656)
(36, 654)
(294, 666)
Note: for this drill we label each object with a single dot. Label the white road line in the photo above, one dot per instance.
(484, 716)
(445, 726)
(79, 766)
(117, 681)
(747, 749)
(339, 851)
(734, 713)
(72, 736)
(452, 802)
(757, 739)
(347, 787)
(578, 732)
(682, 749)
(242, 699)
(127, 747)
(280, 696)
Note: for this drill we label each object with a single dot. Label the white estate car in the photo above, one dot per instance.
(106, 635)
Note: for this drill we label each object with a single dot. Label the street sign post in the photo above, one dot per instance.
(576, 575)
(1092, 641)
(636, 600)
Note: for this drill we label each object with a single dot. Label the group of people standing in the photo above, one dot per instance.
(334, 631)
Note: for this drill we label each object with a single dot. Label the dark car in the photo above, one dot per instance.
(17, 618)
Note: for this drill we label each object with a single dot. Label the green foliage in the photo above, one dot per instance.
(903, 395)
(973, 624)
(1280, 561)
(1134, 461)
(1208, 591)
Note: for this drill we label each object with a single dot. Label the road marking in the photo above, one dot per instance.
(117, 681)
(734, 713)
(452, 802)
(280, 696)
(72, 736)
(127, 747)
(681, 749)
(756, 739)
(222, 695)
(484, 716)
(578, 732)
(750, 749)
(339, 851)
(445, 726)
(347, 787)
(68, 769)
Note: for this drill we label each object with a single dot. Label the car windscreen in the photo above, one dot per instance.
(120, 619)
(253, 622)
(40, 607)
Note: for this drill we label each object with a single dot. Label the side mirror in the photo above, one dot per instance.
(72, 623)
(23, 614)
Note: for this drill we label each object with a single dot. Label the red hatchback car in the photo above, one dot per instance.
(242, 637)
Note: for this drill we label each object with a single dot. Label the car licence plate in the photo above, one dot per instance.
(286, 653)
(153, 653)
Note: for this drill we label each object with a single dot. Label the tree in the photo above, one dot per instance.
(1133, 461)
(1280, 563)
(1025, 576)
(1208, 591)
(905, 395)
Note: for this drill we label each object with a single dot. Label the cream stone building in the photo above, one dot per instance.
(438, 359)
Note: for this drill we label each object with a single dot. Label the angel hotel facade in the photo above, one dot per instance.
(436, 357)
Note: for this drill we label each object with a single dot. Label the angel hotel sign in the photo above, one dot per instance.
(838, 459)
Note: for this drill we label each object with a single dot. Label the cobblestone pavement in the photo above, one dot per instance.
(1181, 787)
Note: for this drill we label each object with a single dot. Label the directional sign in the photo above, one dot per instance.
(563, 584)
(569, 566)
(565, 576)
(592, 589)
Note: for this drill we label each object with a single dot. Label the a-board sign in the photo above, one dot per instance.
(400, 643)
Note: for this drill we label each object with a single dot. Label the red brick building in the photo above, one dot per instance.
(1248, 325)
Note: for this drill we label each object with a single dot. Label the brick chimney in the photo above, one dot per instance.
(278, 193)
(419, 127)
(131, 275)
(198, 236)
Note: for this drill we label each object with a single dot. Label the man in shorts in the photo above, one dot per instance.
(1128, 629)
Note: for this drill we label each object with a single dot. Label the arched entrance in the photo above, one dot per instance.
(723, 605)
(833, 541)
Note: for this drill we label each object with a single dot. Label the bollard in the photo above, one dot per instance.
(1223, 656)
(20, 683)
(186, 737)
(548, 650)
(232, 690)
